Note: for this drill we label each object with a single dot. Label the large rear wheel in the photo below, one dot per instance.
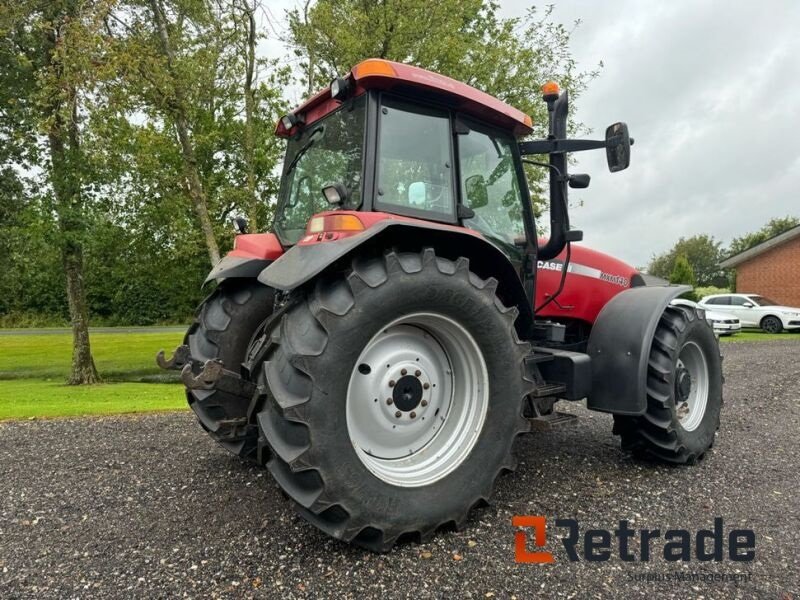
(395, 393)
(222, 330)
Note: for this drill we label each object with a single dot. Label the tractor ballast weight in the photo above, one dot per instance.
(383, 346)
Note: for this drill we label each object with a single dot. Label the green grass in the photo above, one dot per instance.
(759, 336)
(27, 398)
(33, 369)
(118, 356)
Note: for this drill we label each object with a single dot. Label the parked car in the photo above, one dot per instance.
(723, 324)
(755, 311)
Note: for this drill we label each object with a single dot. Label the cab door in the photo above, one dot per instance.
(489, 187)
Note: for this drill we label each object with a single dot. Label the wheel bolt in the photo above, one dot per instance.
(391, 383)
(413, 414)
(425, 386)
(424, 403)
(417, 373)
(403, 372)
(398, 414)
(389, 401)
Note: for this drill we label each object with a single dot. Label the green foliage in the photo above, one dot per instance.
(96, 73)
(137, 229)
(773, 227)
(682, 273)
(702, 291)
(703, 254)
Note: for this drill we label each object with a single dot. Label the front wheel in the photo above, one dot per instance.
(771, 324)
(684, 392)
(395, 394)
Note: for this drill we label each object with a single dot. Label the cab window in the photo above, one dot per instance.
(329, 151)
(489, 185)
(415, 172)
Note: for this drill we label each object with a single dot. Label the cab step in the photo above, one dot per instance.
(552, 420)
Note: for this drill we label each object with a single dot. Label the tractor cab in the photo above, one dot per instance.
(399, 140)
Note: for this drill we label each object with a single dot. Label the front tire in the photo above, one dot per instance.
(771, 324)
(684, 392)
(354, 468)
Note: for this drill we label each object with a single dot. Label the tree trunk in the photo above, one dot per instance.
(83, 368)
(195, 187)
(179, 113)
(65, 175)
(249, 108)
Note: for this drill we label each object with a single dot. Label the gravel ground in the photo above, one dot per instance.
(150, 507)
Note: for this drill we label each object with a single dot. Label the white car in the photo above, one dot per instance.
(723, 324)
(755, 311)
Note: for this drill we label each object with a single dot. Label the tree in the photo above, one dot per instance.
(191, 67)
(682, 273)
(703, 253)
(47, 50)
(774, 227)
(463, 39)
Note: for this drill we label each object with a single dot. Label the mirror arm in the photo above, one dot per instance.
(563, 145)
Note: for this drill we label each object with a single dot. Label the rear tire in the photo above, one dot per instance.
(771, 324)
(222, 330)
(318, 455)
(684, 392)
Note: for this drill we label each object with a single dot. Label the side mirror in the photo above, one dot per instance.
(618, 147)
(748, 304)
(477, 192)
(239, 225)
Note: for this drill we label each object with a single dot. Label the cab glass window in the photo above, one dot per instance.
(329, 151)
(489, 186)
(415, 169)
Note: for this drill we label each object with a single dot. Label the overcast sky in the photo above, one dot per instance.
(711, 93)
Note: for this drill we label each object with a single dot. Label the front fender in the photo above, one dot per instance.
(619, 347)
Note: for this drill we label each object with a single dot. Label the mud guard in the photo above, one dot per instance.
(619, 347)
(302, 263)
(237, 267)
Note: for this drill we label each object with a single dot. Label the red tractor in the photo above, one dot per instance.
(383, 347)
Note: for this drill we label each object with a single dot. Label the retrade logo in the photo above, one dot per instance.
(521, 553)
(598, 545)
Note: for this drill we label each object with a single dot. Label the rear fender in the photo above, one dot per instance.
(304, 262)
(251, 254)
(619, 347)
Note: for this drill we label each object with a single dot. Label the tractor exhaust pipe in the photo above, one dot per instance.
(557, 108)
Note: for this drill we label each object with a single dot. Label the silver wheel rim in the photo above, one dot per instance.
(691, 395)
(417, 399)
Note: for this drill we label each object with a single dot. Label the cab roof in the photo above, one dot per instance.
(376, 73)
